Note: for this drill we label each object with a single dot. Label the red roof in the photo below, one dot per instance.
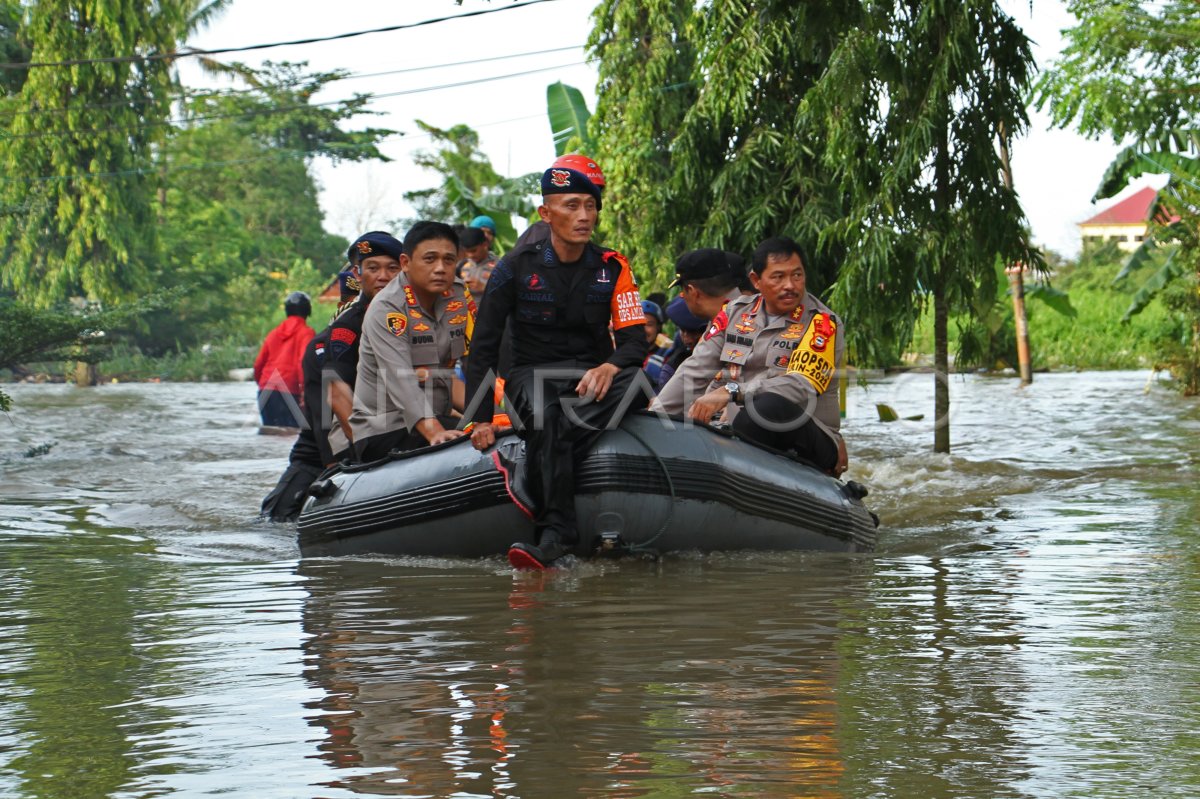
(1133, 210)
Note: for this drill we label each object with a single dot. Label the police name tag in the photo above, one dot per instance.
(813, 357)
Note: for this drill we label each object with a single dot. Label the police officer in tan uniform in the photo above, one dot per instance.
(769, 361)
(414, 332)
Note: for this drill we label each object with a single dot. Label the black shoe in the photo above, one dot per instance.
(529, 557)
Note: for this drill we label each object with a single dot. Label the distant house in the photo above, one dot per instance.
(1124, 222)
(332, 292)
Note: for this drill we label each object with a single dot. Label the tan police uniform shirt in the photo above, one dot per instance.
(744, 345)
(407, 356)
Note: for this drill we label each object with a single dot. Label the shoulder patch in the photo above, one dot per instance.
(719, 323)
(397, 323)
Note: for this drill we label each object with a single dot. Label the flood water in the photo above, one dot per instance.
(1029, 626)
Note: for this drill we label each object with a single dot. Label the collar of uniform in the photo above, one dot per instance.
(550, 257)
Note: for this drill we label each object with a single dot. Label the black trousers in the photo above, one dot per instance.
(559, 428)
(279, 409)
(284, 502)
(775, 421)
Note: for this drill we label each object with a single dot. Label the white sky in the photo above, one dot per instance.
(1055, 171)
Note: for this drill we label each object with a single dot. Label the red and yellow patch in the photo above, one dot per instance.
(420, 327)
(397, 323)
(458, 320)
(454, 305)
(813, 357)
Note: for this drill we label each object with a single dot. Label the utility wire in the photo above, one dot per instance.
(273, 155)
(217, 93)
(279, 109)
(128, 59)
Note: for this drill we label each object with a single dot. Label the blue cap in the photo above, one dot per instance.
(684, 319)
(650, 308)
(374, 243)
(348, 285)
(483, 221)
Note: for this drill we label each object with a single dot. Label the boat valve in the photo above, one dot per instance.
(322, 489)
(608, 542)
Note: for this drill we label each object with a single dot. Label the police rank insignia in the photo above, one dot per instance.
(793, 331)
(420, 327)
(397, 323)
(454, 305)
(458, 320)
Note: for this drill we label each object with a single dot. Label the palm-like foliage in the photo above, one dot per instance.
(1130, 71)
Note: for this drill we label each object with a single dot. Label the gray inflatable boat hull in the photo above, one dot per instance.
(722, 494)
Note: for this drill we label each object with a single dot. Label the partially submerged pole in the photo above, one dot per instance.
(1016, 282)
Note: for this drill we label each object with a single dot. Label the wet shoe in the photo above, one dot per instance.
(528, 557)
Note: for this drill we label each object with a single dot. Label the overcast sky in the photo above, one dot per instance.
(1056, 172)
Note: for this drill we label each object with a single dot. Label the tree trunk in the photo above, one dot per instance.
(941, 370)
(941, 306)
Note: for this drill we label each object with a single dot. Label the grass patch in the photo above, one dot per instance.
(1095, 338)
(211, 362)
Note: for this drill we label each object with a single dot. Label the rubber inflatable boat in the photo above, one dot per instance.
(651, 485)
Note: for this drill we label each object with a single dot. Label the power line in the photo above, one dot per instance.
(204, 94)
(273, 155)
(281, 109)
(223, 50)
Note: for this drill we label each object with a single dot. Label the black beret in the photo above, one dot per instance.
(374, 243)
(704, 263)
(560, 180)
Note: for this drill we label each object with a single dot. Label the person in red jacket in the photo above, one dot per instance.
(277, 367)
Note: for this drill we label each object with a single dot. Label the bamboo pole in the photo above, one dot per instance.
(1016, 282)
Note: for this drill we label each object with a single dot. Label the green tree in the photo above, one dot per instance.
(77, 181)
(915, 102)
(14, 48)
(470, 184)
(242, 225)
(1130, 71)
(646, 65)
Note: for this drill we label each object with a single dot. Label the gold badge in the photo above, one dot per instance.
(397, 323)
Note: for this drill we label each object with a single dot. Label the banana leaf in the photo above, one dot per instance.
(569, 117)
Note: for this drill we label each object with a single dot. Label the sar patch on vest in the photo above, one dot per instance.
(397, 323)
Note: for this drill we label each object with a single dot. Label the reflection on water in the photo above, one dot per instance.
(1029, 626)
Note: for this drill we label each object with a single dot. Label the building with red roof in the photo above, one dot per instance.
(1123, 222)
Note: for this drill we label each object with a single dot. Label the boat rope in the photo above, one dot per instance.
(645, 546)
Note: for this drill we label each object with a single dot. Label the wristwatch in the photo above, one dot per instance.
(735, 393)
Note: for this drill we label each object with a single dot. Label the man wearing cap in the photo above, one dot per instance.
(330, 367)
(707, 279)
(416, 329)
(689, 329)
(773, 358)
(568, 381)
